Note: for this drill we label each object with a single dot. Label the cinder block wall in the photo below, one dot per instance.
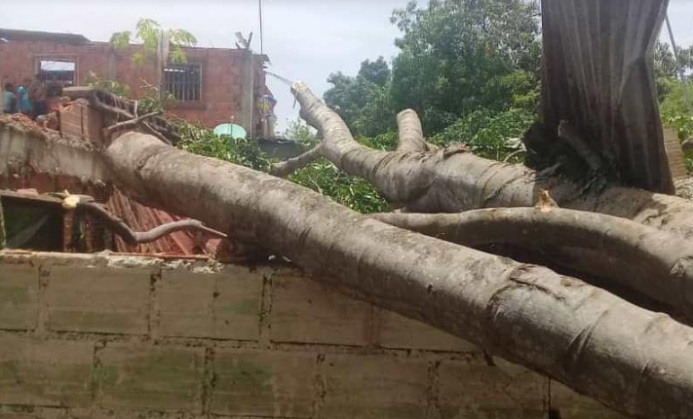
(98, 336)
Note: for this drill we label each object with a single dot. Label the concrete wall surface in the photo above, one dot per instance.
(114, 336)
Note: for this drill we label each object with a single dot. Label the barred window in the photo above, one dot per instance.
(184, 82)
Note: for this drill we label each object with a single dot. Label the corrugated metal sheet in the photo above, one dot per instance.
(598, 76)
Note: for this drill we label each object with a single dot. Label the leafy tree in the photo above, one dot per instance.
(363, 101)
(147, 33)
(376, 72)
(301, 133)
(490, 135)
(666, 69)
(458, 56)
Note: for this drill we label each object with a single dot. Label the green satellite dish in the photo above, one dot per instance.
(232, 130)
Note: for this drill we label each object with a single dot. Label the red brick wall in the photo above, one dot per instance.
(221, 73)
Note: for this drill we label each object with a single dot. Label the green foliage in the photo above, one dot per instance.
(386, 141)
(363, 101)
(113, 86)
(677, 115)
(458, 56)
(202, 141)
(301, 133)
(320, 176)
(147, 33)
(149, 101)
(327, 179)
(324, 177)
(488, 134)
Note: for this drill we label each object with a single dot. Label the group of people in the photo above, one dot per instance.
(28, 98)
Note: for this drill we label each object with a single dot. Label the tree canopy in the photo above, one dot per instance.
(455, 57)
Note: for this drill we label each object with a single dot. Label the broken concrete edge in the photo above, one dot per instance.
(50, 154)
(24, 125)
(107, 259)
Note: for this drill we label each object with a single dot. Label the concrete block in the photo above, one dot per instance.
(572, 405)
(221, 305)
(135, 376)
(185, 304)
(475, 389)
(397, 331)
(31, 412)
(264, 383)
(374, 386)
(237, 303)
(98, 299)
(18, 296)
(307, 312)
(44, 373)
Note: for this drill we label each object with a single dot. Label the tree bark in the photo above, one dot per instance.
(411, 139)
(653, 263)
(285, 168)
(455, 182)
(636, 361)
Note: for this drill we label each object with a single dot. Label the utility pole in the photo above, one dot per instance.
(259, 4)
(679, 68)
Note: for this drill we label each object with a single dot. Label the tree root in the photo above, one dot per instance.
(651, 262)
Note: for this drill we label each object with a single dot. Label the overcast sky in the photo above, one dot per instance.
(305, 39)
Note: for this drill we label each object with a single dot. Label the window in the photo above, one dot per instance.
(184, 82)
(57, 72)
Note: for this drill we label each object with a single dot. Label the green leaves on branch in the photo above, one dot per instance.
(355, 193)
(147, 34)
(458, 56)
(363, 101)
(202, 141)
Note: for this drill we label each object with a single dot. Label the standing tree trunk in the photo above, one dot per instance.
(633, 360)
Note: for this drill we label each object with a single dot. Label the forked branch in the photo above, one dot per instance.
(651, 262)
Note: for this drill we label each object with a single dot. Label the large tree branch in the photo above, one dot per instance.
(285, 168)
(634, 360)
(399, 176)
(411, 139)
(654, 263)
(463, 181)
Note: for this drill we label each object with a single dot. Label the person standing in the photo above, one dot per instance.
(9, 99)
(24, 104)
(37, 95)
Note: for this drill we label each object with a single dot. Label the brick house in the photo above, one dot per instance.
(214, 86)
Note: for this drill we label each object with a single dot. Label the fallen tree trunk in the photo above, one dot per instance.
(636, 361)
(654, 263)
(452, 180)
